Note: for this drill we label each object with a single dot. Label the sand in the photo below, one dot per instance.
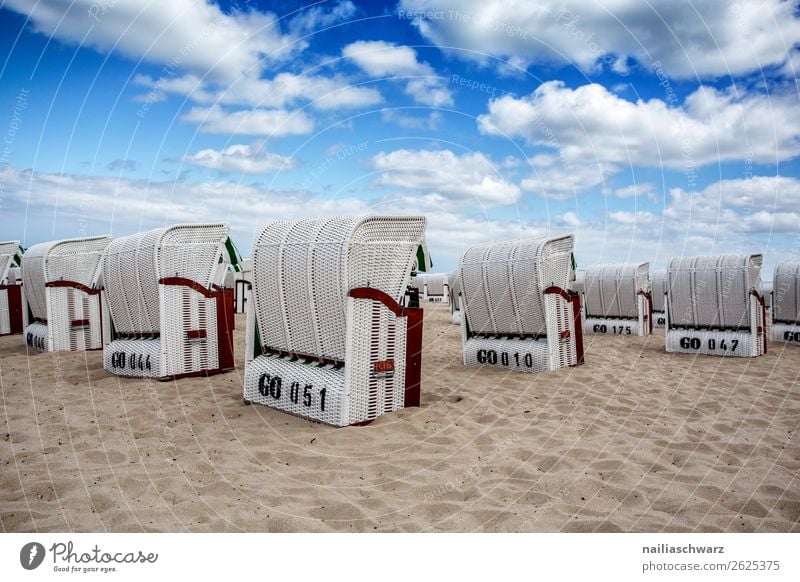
(635, 440)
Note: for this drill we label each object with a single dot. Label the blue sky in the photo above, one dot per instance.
(647, 130)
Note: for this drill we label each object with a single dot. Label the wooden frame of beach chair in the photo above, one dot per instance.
(13, 310)
(64, 294)
(786, 303)
(714, 306)
(659, 294)
(170, 302)
(454, 292)
(517, 312)
(327, 336)
(617, 300)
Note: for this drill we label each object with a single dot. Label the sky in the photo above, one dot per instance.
(647, 129)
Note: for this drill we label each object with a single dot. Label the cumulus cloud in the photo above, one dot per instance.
(382, 59)
(268, 122)
(690, 39)
(245, 159)
(761, 204)
(596, 132)
(471, 177)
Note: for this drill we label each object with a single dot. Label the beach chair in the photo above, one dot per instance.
(170, 297)
(13, 311)
(659, 294)
(786, 303)
(64, 294)
(617, 299)
(327, 336)
(517, 312)
(454, 293)
(714, 306)
(436, 288)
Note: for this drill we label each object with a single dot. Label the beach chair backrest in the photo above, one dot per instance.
(134, 265)
(435, 283)
(612, 289)
(502, 284)
(10, 257)
(76, 261)
(786, 292)
(304, 270)
(712, 292)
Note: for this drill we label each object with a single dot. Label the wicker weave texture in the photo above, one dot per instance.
(303, 271)
(785, 332)
(302, 389)
(712, 291)
(616, 326)
(612, 289)
(502, 283)
(714, 343)
(786, 293)
(511, 354)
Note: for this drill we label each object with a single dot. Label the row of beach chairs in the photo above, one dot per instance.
(332, 332)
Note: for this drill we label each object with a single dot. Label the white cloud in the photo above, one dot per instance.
(558, 178)
(757, 205)
(285, 89)
(245, 159)
(471, 178)
(690, 39)
(591, 124)
(642, 217)
(193, 35)
(382, 59)
(645, 189)
(269, 122)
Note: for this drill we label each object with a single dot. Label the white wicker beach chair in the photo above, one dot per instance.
(454, 292)
(617, 299)
(327, 337)
(13, 311)
(659, 294)
(170, 298)
(64, 294)
(517, 310)
(786, 303)
(714, 306)
(436, 287)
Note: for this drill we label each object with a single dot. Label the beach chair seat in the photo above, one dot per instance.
(617, 299)
(659, 294)
(64, 294)
(786, 303)
(327, 336)
(170, 300)
(516, 310)
(714, 306)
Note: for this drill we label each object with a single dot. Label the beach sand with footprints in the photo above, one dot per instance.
(634, 440)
